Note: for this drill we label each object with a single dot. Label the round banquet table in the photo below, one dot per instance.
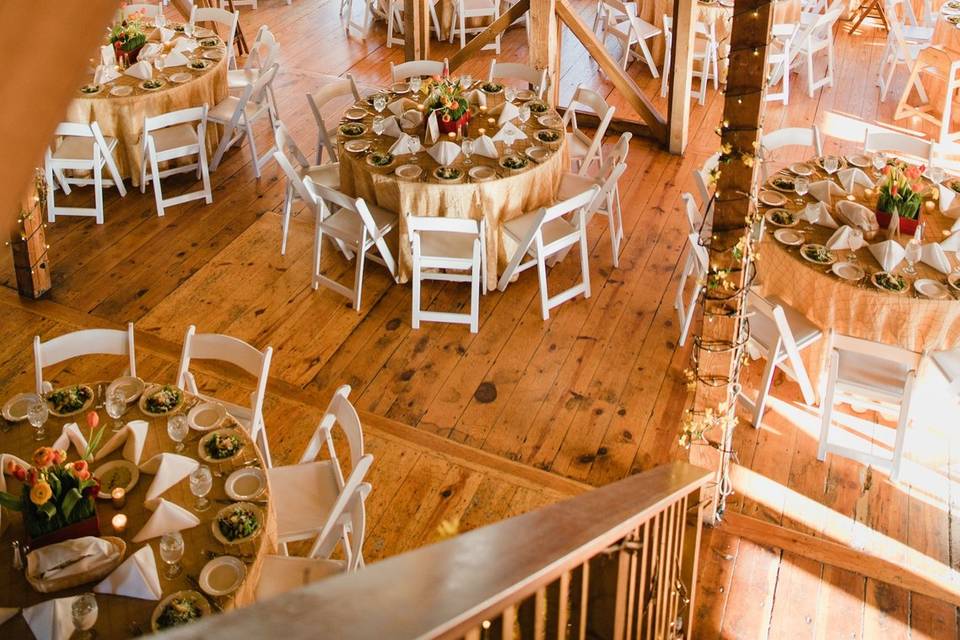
(497, 200)
(118, 613)
(857, 309)
(121, 117)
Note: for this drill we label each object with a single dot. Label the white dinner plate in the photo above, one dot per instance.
(772, 198)
(103, 471)
(356, 146)
(537, 154)
(932, 289)
(222, 575)
(400, 87)
(859, 160)
(131, 386)
(954, 280)
(788, 237)
(355, 113)
(801, 169)
(16, 407)
(245, 484)
(481, 173)
(181, 77)
(121, 90)
(772, 212)
(848, 271)
(206, 416)
(408, 171)
(550, 121)
(213, 54)
(524, 95)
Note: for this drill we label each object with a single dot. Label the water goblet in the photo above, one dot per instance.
(467, 146)
(911, 256)
(879, 161)
(116, 406)
(414, 146)
(171, 550)
(415, 82)
(84, 613)
(188, 30)
(378, 125)
(831, 164)
(380, 102)
(466, 80)
(856, 241)
(201, 481)
(37, 414)
(524, 113)
(177, 429)
(510, 94)
(801, 185)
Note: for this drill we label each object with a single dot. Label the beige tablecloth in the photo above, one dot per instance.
(122, 117)
(116, 613)
(860, 310)
(494, 201)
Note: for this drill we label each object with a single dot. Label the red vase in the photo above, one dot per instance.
(126, 58)
(451, 125)
(908, 227)
(88, 527)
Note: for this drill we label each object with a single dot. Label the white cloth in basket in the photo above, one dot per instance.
(70, 558)
(858, 215)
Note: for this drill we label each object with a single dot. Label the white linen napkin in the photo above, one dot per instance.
(947, 196)
(411, 119)
(105, 73)
(816, 213)
(483, 146)
(108, 56)
(174, 59)
(141, 69)
(133, 436)
(858, 215)
(185, 44)
(888, 253)
(397, 107)
(952, 243)
(444, 152)
(71, 434)
(509, 132)
(508, 112)
(933, 255)
(51, 619)
(852, 177)
(6, 459)
(826, 190)
(402, 146)
(433, 129)
(150, 51)
(166, 35)
(167, 517)
(843, 238)
(477, 97)
(7, 612)
(70, 557)
(170, 468)
(135, 578)
(391, 127)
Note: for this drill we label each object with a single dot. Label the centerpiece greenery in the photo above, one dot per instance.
(900, 192)
(445, 97)
(128, 37)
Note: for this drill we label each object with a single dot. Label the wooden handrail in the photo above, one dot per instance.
(446, 589)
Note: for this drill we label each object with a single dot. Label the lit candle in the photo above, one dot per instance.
(491, 121)
(930, 205)
(481, 131)
(119, 523)
(851, 198)
(119, 497)
(452, 135)
(483, 108)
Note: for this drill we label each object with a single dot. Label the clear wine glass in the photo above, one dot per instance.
(856, 241)
(177, 429)
(831, 164)
(414, 146)
(116, 406)
(524, 114)
(380, 102)
(201, 481)
(510, 94)
(879, 161)
(171, 550)
(911, 256)
(37, 414)
(466, 80)
(936, 174)
(467, 146)
(801, 185)
(84, 613)
(378, 125)
(188, 30)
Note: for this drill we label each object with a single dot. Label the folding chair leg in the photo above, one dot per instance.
(415, 303)
(253, 150)
(51, 216)
(98, 187)
(826, 405)
(358, 276)
(763, 391)
(285, 223)
(157, 193)
(317, 245)
(648, 57)
(475, 276)
(902, 424)
(544, 296)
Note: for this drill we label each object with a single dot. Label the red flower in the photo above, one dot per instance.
(885, 170)
(31, 476)
(93, 419)
(894, 190)
(16, 470)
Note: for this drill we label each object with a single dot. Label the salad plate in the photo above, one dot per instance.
(782, 183)
(181, 77)
(178, 609)
(931, 289)
(160, 399)
(245, 484)
(886, 281)
(817, 254)
(379, 159)
(352, 129)
(121, 90)
(206, 416)
(116, 473)
(523, 95)
(481, 173)
(15, 409)
(199, 64)
(130, 386)
(220, 446)
(152, 84)
(859, 160)
(848, 271)
(399, 88)
(68, 401)
(781, 217)
(537, 154)
(772, 198)
(91, 89)
(788, 237)
(801, 169)
(355, 113)
(222, 576)
(356, 146)
(550, 121)
(237, 523)
(408, 171)
(213, 54)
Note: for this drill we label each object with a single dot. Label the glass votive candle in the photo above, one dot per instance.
(491, 121)
(481, 131)
(119, 523)
(929, 204)
(119, 497)
(851, 197)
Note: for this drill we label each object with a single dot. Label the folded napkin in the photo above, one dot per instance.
(105, 73)
(816, 213)
(391, 127)
(141, 69)
(71, 557)
(7, 463)
(7, 612)
(444, 152)
(166, 518)
(411, 119)
(397, 107)
(169, 469)
(477, 97)
(858, 215)
(71, 434)
(133, 436)
(185, 44)
(826, 190)
(174, 59)
(509, 132)
(507, 112)
(852, 177)
(108, 56)
(934, 255)
(135, 578)
(52, 619)
(483, 146)
(947, 196)
(888, 253)
(952, 243)
(843, 238)
(402, 146)
(955, 226)
(166, 35)
(150, 51)
(433, 129)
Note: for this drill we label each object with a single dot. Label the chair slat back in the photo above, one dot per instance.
(515, 70)
(286, 155)
(216, 346)
(340, 411)
(331, 528)
(693, 213)
(416, 224)
(356, 508)
(899, 142)
(258, 90)
(404, 70)
(571, 204)
(180, 116)
(889, 352)
(702, 177)
(83, 343)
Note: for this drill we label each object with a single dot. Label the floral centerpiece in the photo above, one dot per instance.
(58, 497)
(128, 37)
(899, 192)
(445, 97)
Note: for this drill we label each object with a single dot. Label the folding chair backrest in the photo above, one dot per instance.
(416, 224)
(899, 142)
(343, 201)
(702, 177)
(792, 136)
(775, 313)
(889, 352)
(264, 51)
(595, 103)
(405, 70)
(340, 411)
(180, 116)
(215, 14)
(693, 213)
(519, 71)
(905, 8)
(331, 528)
(609, 182)
(617, 154)
(149, 10)
(571, 204)
(699, 252)
(289, 156)
(357, 94)
(83, 343)
(357, 510)
(324, 95)
(258, 90)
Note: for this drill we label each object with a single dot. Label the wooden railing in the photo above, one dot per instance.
(615, 562)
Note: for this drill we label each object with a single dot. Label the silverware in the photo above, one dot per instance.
(135, 630)
(63, 565)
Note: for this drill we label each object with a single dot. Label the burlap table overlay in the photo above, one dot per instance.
(495, 201)
(857, 309)
(116, 613)
(121, 117)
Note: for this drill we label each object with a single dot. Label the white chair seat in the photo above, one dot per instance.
(949, 363)
(552, 230)
(77, 148)
(281, 574)
(576, 147)
(225, 109)
(348, 225)
(326, 174)
(175, 137)
(918, 34)
(303, 494)
(571, 184)
(644, 29)
(763, 330)
(446, 244)
(240, 78)
(872, 374)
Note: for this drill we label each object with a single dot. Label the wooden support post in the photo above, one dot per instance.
(29, 244)
(544, 43)
(416, 30)
(681, 71)
(718, 349)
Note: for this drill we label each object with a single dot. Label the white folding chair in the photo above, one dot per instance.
(544, 233)
(358, 226)
(812, 39)
(238, 115)
(423, 68)
(920, 151)
(327, 137)
(464, 10)
(702, 177)
(695, 266)
(371, 9)
(294, 164)
(228, 20)
(806, 137)
(82, 147)
(263, 55)
(705, 51)
(238, 3)
(901, 50)
(441, 245)
(583, 149)
(873, 376)
(178, 134)
(87, 342)
(607, 201)
(216, 346)
(280, 574)
(940, 66)
(948, 362)
(395, 21)
(778, 333)
(146, 9)
(535, 80)
(629, 30)
(778, 61)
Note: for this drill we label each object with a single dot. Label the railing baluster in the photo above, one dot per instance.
(620, 597)
(584, 599)
(662, 569)
(508, 622)
(473, 634)
(563, 602)
(654, 573)
(632, 585)
(642, 580)
(540, 614)
(670, 589)
(677, 561)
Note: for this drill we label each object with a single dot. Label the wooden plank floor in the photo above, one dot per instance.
(594, 394)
